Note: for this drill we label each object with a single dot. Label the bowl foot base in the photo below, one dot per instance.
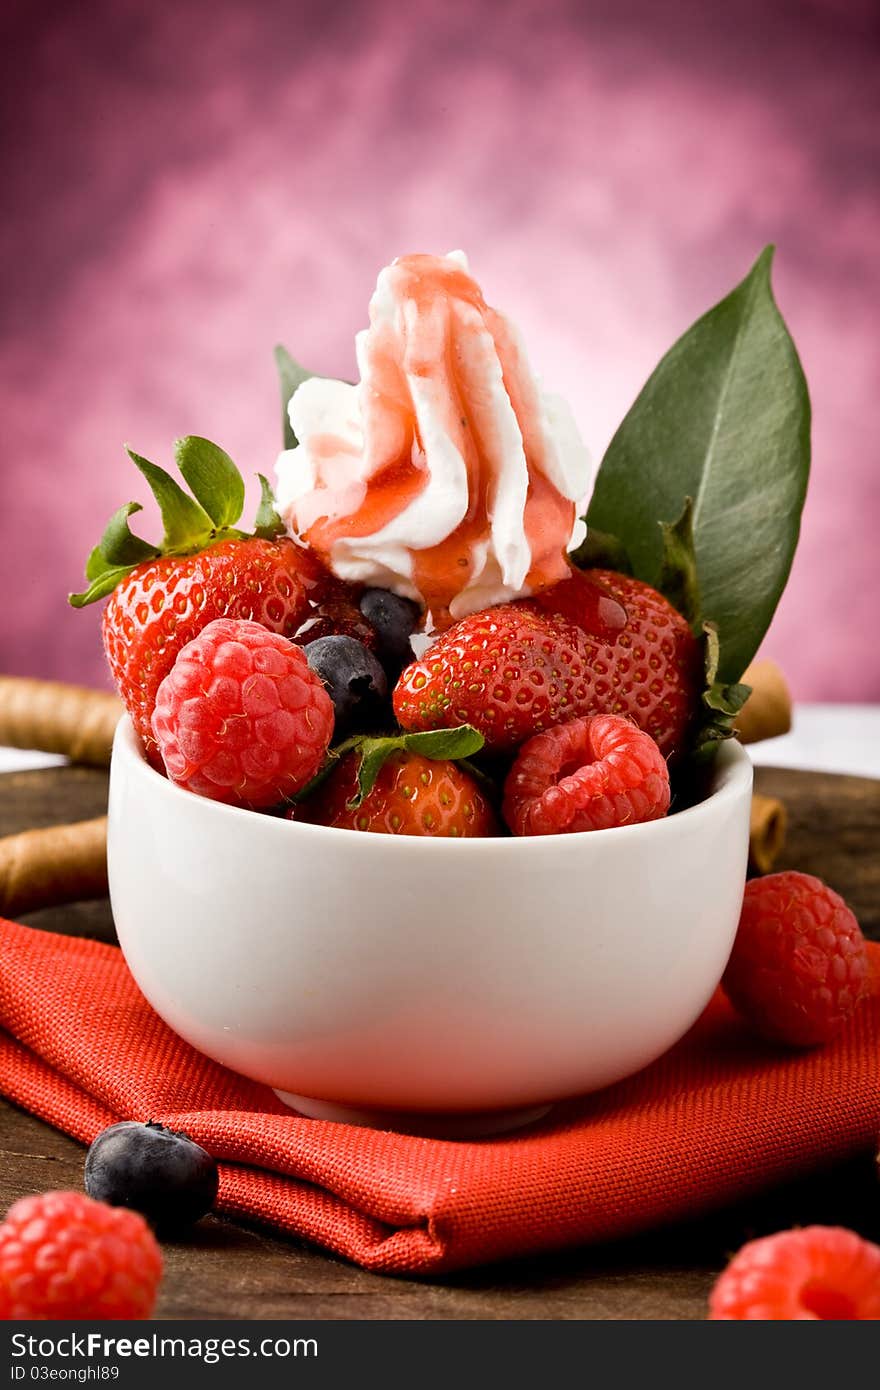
(465, 1126)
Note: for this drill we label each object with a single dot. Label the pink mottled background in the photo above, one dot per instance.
(185, 184)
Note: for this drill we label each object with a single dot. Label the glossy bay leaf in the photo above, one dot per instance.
(724, 420)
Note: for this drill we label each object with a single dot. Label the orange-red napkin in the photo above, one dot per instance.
(718, 1117)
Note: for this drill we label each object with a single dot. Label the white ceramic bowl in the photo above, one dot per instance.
(361, 973)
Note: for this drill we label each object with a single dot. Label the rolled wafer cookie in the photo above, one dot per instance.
(58, 718)
(767, 711)
(767, 827)
(63, 864)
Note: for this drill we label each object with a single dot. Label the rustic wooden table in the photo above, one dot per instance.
(227, 1270)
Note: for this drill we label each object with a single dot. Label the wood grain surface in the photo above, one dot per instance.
(227, 1270)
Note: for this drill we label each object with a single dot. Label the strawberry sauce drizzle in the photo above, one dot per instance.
(437, 337)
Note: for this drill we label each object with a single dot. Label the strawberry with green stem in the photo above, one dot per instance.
(405, 784)
(161, 596)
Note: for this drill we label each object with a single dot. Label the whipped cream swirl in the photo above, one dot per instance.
(446, 474)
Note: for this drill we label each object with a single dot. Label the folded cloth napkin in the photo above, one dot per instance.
(718, 1117)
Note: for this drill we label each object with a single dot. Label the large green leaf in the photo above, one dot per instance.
(725, 420)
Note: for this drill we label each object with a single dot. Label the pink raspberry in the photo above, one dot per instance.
(589, 774)
(240, 717)
(799, 965)
(819, 1273)
(64, 1256)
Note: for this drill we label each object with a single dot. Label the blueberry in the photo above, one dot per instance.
(162, 1173)
(393, 619)
(354, 679)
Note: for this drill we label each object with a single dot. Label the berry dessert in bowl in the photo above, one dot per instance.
(424, 812)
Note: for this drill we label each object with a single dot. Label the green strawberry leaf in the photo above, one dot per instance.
(114, 557)
(97, 564)
(102, 585)
(444, 744)
(187, 524)
(267, 523)
(290, 376)
(437, 744)
(191, 523)
(374, 751)
(118, 546)
(720, 702)
(213, 478)
(678, 571)
(724, 419)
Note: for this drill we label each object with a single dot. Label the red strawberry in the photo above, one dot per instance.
(162, 597)
(652, 671)
(583, 600)
(516, 670)
(412, 795)
(509, 671)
